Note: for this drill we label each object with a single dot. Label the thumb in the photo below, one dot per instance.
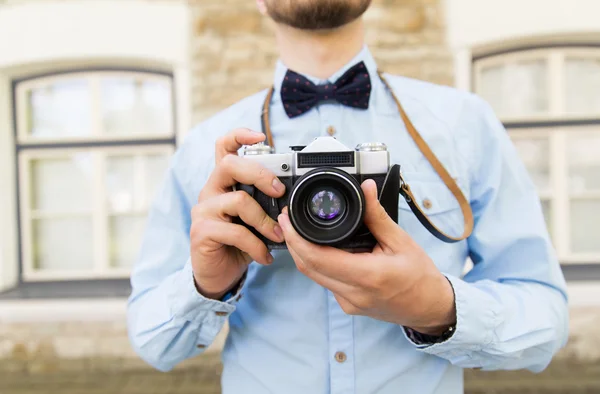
(387, 232)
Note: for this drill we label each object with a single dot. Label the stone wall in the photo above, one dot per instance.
(47, 347)
(233, 50)
(95, 357)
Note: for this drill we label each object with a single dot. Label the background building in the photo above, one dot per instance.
(95, 95)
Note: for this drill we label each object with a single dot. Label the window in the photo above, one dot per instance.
(549, 100)
(92, 149)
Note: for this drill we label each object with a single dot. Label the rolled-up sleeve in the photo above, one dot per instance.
(512, 306)
(168, 320)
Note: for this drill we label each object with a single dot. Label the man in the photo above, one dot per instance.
(316, 319)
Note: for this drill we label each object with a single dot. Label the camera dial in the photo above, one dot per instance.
(371, 147)
(258, 149)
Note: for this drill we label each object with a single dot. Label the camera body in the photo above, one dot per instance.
(325, 202)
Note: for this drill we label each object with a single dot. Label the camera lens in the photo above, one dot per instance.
(327, 204)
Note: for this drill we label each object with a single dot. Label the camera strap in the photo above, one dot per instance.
(405, 190)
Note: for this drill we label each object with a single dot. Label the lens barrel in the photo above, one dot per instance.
(326, 206)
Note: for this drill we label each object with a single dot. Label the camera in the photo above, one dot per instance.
(325, 202)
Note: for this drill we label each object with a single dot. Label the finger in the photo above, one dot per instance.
(241, 204)
(347, 306)
(377, 250)
(388, 234)
(231, 142)
(331, 284)
(235, 169)
(331, 262)
(235, 235)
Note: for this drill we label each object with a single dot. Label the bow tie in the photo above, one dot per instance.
(352, 89)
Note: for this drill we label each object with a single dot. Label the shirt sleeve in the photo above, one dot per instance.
(168, 320)
(512, 306)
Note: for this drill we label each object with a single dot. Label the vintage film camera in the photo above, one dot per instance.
(323, 194)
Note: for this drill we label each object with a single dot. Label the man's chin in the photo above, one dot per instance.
(316, 15)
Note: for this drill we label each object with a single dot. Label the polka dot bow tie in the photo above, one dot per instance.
(299, 95)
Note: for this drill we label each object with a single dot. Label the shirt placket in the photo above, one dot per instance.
(341, 328)
(329, 120)
(341, 348)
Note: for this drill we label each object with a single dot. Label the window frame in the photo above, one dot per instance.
(93, 76)
(100, 147)
(556, 59)
(555, 125)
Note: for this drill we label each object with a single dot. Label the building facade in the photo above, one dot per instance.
(95, 95)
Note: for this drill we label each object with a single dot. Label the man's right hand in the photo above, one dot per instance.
(220, 249)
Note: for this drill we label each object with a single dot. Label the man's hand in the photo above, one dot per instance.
(397, 282)
(220, 249)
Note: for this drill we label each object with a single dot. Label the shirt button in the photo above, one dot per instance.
(221, 313)
(200, 346)
(239, 297)
(427, 203)
(340, 357)
(331, 130)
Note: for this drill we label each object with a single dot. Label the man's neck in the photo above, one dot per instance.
(319, 53)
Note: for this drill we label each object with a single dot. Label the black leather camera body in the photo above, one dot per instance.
(323, 194)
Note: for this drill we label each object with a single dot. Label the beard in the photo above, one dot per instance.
(316, 14)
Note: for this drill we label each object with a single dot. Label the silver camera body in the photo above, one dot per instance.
(367, 158)
(323, 194)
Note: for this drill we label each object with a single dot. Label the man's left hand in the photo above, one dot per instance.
(397, 282)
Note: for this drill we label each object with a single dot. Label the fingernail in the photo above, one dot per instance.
(279, 232)
(282, 221)
(256, 132)
(269, 258)
(278, 186)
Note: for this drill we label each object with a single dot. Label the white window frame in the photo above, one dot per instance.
(554, 126)
(100, 147)
(555, 58)
(141, 47)
(94, 78)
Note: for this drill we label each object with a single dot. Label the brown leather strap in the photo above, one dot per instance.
(405, 188)
(266, 127)
(451, 184)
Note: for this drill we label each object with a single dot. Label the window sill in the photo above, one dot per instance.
(95, 289)
(581, 272)
(87, 310)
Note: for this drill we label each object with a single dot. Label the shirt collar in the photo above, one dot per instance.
(364, 55)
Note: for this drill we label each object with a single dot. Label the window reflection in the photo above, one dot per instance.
(585, 216)
(125, 234)
(584, 162)
(120, 183)
(63, 244)
(156, 166)
(61, 109)
(536, 156)
(516, 89)
(135, 106)
(62, 184)
(583, 86)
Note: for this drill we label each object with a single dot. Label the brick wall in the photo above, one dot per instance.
(233, 50)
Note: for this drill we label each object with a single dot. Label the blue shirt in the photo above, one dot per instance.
(286, 330)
